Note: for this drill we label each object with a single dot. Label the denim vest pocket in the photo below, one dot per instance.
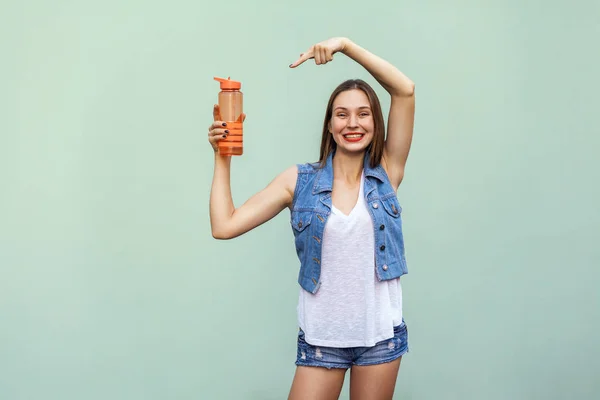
(392, 206)
(300, 224)
(301, 220)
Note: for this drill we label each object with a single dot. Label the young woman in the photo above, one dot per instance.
(346, 221)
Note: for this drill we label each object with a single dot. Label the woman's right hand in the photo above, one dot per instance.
(218, 130)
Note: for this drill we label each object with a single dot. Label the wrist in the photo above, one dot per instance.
(222, 159)
(346, 45)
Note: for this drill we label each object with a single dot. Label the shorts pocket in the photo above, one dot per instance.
(400, 328)
(301, 337)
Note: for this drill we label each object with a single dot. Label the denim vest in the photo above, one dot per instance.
(312, 206)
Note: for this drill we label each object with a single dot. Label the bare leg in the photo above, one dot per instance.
(374, 382)
(317, 383)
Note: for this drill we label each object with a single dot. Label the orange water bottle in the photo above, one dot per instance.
(230, 105)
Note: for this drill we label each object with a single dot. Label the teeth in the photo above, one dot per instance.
(352, 136)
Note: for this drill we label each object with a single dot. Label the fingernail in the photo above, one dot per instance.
(224, 124)
(226, 130)
(291, 65)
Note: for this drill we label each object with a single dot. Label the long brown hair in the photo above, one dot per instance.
(375, 148)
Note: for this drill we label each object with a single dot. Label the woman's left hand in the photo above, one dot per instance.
(322, 52)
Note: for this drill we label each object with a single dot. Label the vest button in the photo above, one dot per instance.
(382, 248)
(382, 227)
(375, 205)
(300, 224)
(385, 267)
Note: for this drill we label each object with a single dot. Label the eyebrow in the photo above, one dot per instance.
(344, 108)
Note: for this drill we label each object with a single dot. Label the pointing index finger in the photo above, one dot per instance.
(303, 57)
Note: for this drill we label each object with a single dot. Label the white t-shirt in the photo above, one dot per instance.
(351, 308)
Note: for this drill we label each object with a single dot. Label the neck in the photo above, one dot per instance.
(348, 167)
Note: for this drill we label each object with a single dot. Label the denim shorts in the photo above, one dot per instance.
(332, 357)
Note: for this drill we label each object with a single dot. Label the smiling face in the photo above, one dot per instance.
(352, 124)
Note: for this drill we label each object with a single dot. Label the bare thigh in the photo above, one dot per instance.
(317, 383)
(374, 382)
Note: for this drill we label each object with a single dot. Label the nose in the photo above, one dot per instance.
(352, 121)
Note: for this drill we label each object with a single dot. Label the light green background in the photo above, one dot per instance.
(111, 286)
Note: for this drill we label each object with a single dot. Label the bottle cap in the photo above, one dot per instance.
(228, 83)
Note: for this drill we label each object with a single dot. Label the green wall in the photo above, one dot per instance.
(111, 286)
